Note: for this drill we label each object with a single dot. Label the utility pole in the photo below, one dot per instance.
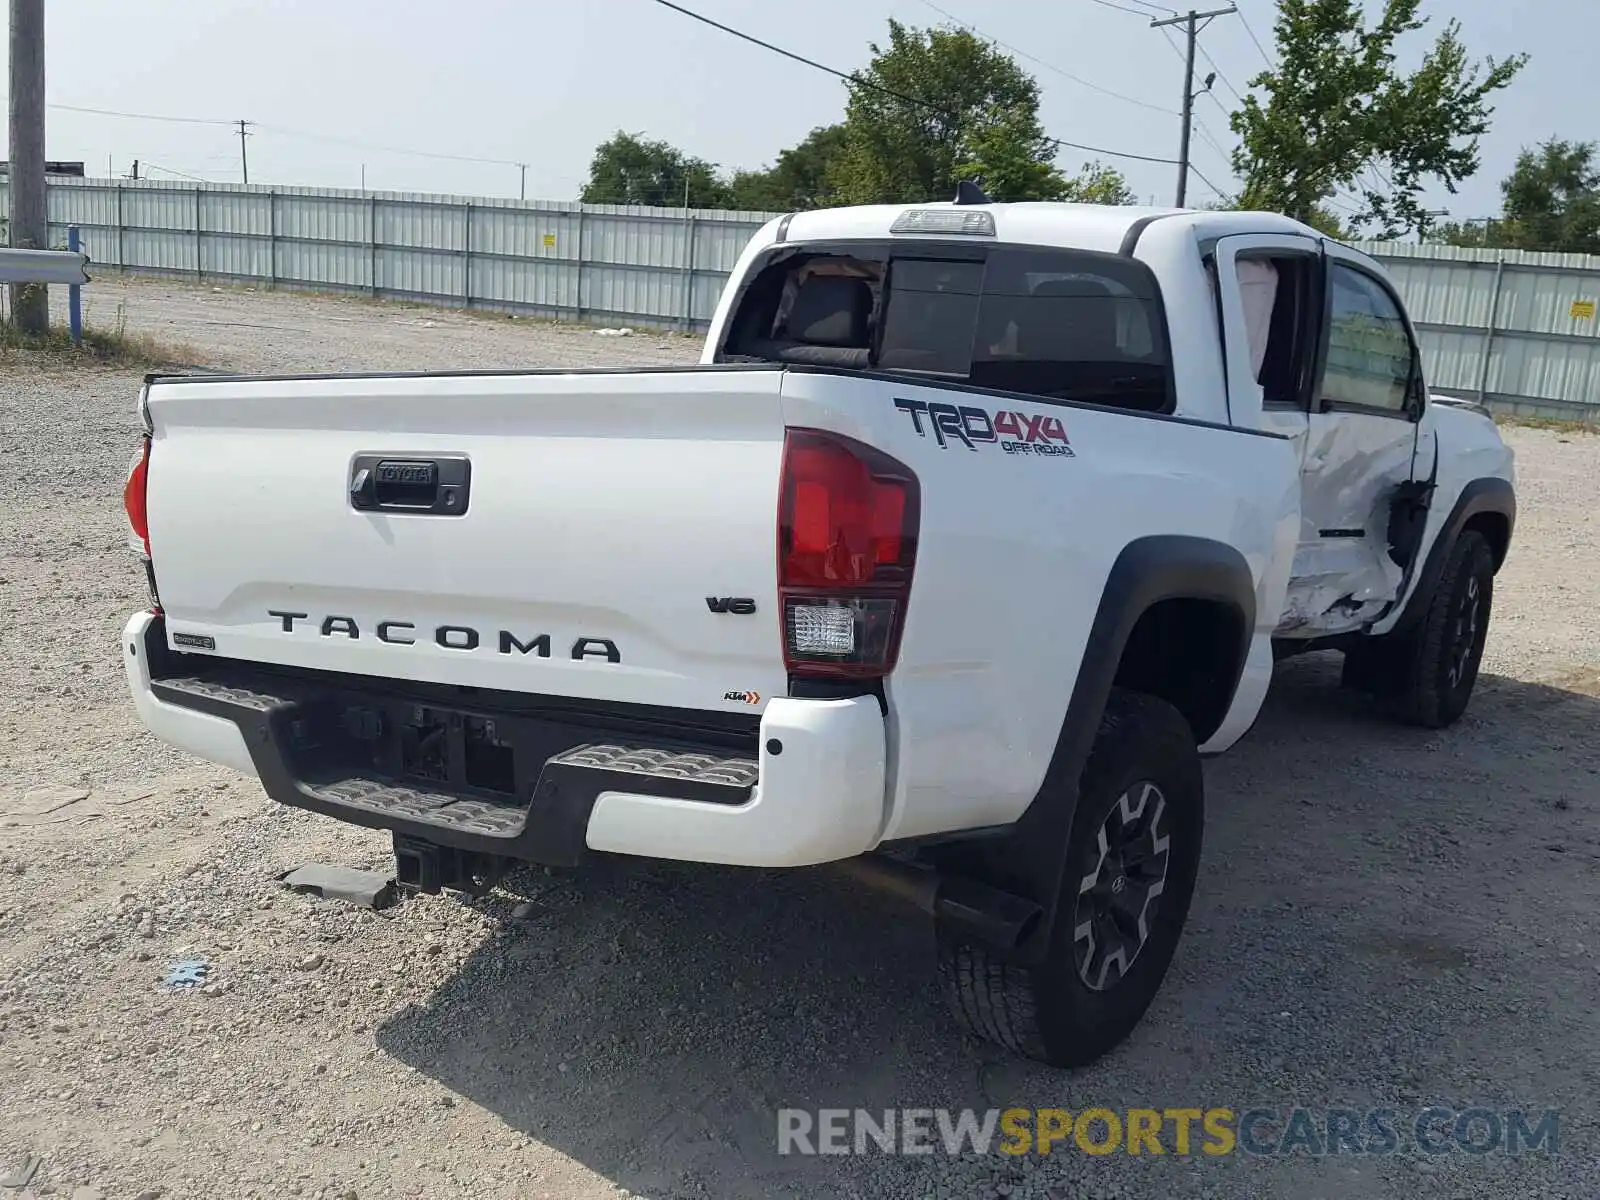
(30, 303)
(522, 191)
(1192, 27)
(136, 169)
(244, 157)
(710, 166)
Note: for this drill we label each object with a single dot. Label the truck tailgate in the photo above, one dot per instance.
(602, 535)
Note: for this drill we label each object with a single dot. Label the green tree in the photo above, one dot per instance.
(1552, 198)
(936, 106)
(1337, 107)
(1321, 218)
(797, 181)
(1551, 202)
(627, 169)
(1324, 220)
(1099, 184)
(1008, 151)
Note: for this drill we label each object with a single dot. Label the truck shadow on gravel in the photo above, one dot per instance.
(1386, 916)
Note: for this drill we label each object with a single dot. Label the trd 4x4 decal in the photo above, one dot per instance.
(1015, 432)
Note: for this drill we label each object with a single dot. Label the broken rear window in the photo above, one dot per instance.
(1063, 324)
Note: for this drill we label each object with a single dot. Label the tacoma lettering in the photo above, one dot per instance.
(462, 639)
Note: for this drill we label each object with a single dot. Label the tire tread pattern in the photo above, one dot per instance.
(1421, 703)
(999, 1000)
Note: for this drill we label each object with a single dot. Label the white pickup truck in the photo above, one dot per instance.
(976, 527)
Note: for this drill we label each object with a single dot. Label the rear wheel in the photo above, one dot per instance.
(1132, 854)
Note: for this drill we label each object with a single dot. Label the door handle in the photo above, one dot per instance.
(437, 485)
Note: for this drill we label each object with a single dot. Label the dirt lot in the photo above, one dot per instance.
(1386, 918)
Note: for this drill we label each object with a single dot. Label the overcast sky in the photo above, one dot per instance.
(543, 83)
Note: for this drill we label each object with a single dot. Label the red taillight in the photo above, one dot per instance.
(133, 499)
(847, 546)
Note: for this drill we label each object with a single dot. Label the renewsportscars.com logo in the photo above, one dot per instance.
(970, 426)
(1182, 1132)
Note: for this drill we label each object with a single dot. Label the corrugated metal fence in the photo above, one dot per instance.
(1519, 331)
(650, 266)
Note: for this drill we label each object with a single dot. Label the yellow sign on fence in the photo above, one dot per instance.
(550, 244)
(1583, 310)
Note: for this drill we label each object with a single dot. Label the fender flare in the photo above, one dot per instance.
(1487, 494)
(1031, 856)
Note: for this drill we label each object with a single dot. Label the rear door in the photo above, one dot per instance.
(1269, 295)
(599, 535)
(1318, 348)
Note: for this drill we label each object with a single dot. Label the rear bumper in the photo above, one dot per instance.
(807, 785)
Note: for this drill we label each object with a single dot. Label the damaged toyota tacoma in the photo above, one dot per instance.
(975, 528)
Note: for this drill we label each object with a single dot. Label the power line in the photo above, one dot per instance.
(1095, 87)
(1228, 83)
(285, 131)
(1210, 139)
(1344, 201)
(790, 54)
(1174, 45)
(1220, 106)
(1113, 153)
(180, 174)
(1191, 22)
(1265, 57)
(1219, 192)
(106, 112)
(1204, 130)
(1138, 12)
(857, 81)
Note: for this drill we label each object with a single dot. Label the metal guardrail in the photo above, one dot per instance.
(69, 267)
(43, 266)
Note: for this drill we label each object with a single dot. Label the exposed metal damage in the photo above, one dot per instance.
(1340, 583)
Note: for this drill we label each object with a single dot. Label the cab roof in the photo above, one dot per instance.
(1101, 227)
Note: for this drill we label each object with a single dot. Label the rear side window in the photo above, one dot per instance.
(1062, 324)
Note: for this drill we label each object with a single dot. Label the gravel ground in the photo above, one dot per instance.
(242, 329)
(1386, 917)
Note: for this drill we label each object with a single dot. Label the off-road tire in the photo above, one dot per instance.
(1426, 676)
(1049, 1012)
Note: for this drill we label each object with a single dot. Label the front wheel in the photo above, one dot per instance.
(1133, 850)
(1428, 674)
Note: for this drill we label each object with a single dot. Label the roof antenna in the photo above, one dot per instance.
(968, 192)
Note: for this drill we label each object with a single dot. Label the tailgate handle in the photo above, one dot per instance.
(435, 484)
